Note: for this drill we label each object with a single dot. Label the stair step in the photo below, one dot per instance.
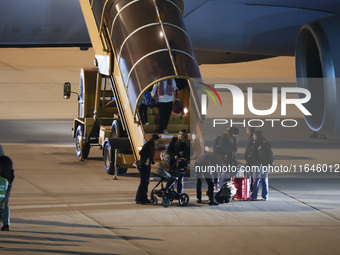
(174, 119)
(164, 140)
(164, 137)
(172, 128)
(108, 112)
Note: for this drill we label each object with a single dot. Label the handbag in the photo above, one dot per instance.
(177, 106)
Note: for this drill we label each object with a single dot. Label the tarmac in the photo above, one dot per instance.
(60, 205)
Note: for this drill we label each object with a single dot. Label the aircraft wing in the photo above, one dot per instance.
(48, 23)
(257, 27)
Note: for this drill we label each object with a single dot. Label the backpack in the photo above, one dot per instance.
(226, 192)
(266, 155)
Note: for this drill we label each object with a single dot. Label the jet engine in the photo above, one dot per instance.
(318, 70)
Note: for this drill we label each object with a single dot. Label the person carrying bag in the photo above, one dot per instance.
(163, 93)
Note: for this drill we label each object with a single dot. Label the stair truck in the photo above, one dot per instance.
(137, 43)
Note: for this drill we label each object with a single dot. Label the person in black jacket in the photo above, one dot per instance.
(179, 147)
(225, 148)
(147, 153)
(247, 153)
(262, 156)
(7, 172)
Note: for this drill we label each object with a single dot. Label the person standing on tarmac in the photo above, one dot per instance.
(147, 153)
(226, 147)
(262, 156)
(6, 180)
(247, 153)
(206, 161)
(179, 147)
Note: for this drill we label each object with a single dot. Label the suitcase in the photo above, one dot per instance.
(242, 186)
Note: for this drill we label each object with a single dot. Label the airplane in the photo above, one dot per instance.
(221, 31)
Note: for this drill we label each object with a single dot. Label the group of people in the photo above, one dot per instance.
(258, 154)
(179, 148)
(224, 148)
(162, 95)
(6, 180)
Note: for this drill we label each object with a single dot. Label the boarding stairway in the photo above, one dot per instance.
(138, 43)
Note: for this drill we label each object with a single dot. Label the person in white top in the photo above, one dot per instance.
(163, 93)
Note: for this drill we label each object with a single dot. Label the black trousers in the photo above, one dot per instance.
(142, 191)
(180, 182)
(143, 113)
(180, 175)
(165, 110)
(210, 183)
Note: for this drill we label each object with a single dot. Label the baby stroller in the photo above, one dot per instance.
(167, 182)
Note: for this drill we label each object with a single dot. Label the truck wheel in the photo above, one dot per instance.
(117, 129)
(82, 149)
(109, 159)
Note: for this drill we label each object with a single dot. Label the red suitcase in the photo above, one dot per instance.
(242, 186)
